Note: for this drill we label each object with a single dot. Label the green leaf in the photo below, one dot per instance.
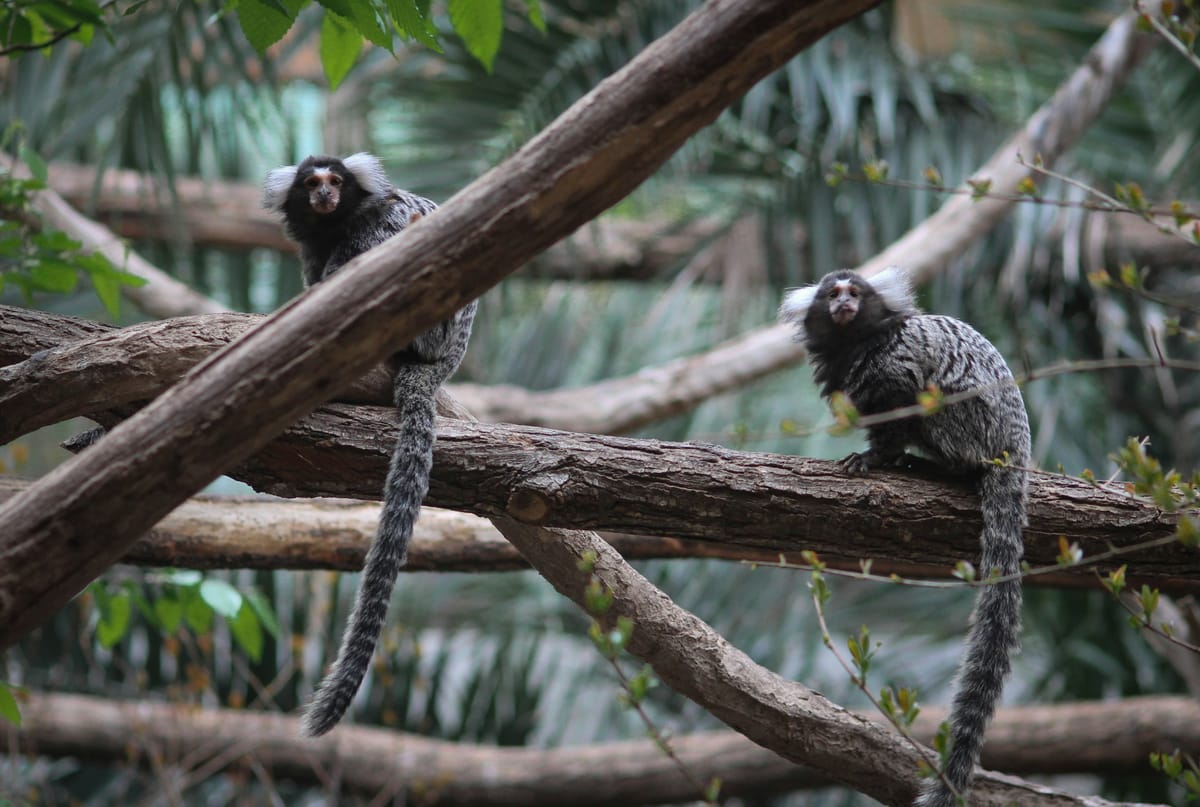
(366, 19)
(37, 166)
(266, 614)
(222, 597)
(480, 23)
(54, 276)
(108, 289)
(169, 613)
(534, 7)
(9, 709)
(55, 241)
(340, 45)
(247, 631)
(264, 22)
(114, 620)
(198, 614)
(412, 23)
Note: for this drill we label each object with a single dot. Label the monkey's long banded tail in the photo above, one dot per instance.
(994, 635)
(407, 484)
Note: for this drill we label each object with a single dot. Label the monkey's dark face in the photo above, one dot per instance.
(324, 186)
(844, 297)
(324, 190)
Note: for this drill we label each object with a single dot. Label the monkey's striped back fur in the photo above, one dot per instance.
(336, 210)
(868, 340)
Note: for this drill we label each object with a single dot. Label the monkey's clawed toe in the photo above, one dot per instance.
(855, 464)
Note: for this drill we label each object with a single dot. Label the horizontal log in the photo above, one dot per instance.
(1090, 737)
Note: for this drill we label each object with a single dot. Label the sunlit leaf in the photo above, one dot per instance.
(480, 23)
(340, 46)
(222, 597)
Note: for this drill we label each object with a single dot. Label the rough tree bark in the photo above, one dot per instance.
(1100, 738)
(561, 479)
(589, 482)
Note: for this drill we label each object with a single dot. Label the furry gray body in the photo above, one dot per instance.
(881, 358)
(369, 211)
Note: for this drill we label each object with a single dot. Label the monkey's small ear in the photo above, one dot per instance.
(895, 287)
(277, 185)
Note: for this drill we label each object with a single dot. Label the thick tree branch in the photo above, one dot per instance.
(66, 367)
(580, 481)
(561, 479)
(225, 532)
(1099, 738)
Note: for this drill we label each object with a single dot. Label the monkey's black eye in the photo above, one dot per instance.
(311, 182)
(335, 180)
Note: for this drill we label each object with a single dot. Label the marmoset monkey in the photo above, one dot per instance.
(336, 209)
(868, 340)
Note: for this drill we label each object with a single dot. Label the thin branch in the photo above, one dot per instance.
(26, 48)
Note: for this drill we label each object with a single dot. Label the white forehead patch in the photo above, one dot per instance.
(843, 287)
(323, 172)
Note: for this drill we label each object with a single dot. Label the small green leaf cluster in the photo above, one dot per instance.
(35, 258)
(861, 653)
(1167, 489)
(346, 23)
(1180, 769)
(817, 583)
(901, 706)
(185, 598)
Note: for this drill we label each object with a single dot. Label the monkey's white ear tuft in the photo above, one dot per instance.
(796, 304)
(795, 307)
(368, 170)
(275, 188)
(895, 287)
